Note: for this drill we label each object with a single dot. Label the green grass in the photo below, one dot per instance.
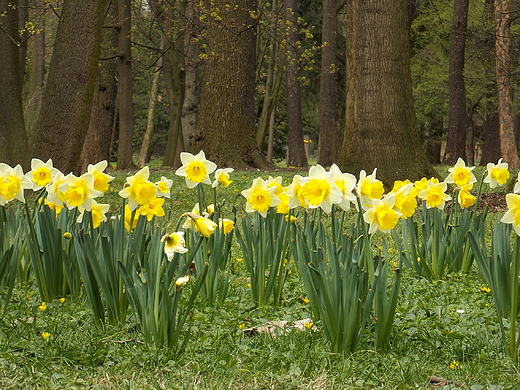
(437, 323)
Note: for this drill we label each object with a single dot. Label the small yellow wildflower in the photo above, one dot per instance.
(239, 260)
(43, 306)
(454, 365)
(241, 326)
(62, 300)
(306, 300)
(45, 336)
(308, 325)
(485, 289)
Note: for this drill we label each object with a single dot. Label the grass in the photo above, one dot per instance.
(438, 324)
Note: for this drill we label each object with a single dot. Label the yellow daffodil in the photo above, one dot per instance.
(405, 198)
(196, 169)
(382, 215)
(79, 191)
(435, 195)
(53, 206)
(12, 184)
(275, 182)
(497, 174)
(210, 209)
(222, 177)
(460, 174)
(174, 243)
(182, 281)
(203, 225)
(41, 173)
(295, 194)
(465, 198)
(369, 188)
(101, 179)
(283, 206)
(188, 224)
(152, 209)
(420, 185)
(138, 189)
(512, 215)
(54, 195)
(163, 187)
(226, 225)
(98, 214)
(260, 197)
(319, 189)
(346, 182)
(128, 217)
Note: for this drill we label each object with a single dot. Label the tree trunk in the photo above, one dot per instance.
(124, 94)
(98, 141)
(226, 127)
(328, 145)
(458, 117)
(381, 130)
(146, 146)
(67, 100)
(295, 147)
(491, 141)
(508, 146)
(12, 128)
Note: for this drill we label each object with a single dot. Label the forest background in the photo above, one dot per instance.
(252, 82)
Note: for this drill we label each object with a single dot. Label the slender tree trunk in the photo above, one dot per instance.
(226, 126)
(67, 100)
(126, 115)
(146, 146)
(295, 147)
(458, 117)
(23, 12)
(381, 129)
(12, 128)
(508, 146)
(328, 145)
(98, 141)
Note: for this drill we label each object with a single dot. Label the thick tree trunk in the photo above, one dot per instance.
(295, 146)
(226, 127)
(328, 146)
(97, 145)
(508, 146)
(124, 94)
(458, 117)
(491, 142)
(381, 130)
(67, 100)
(12, 128)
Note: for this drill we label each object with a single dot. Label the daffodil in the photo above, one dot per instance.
(138, 189)
(405, 198)
(54, 206)
(181, 282)
(12, 184)
(497, 174)
(346, 182)
(226, 225)
(97, 212)
(435, 195)
(460, 174)
(283, 206)
(41, 173)
(101, 179)
(203, 225)
(152, 209)
(260, 197)
(319, 189)
(196, 169)
(465, 198)
(275, 182)
(174, 243)
(54, 195)
(131, 215)
(79, 191)
(163, 187)
(512, 215)
(295, 194)
(222, 177)
(381, 215)
(369, 188)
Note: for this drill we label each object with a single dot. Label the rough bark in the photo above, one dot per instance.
(12, 128)
(458, 117)
(226, 126)
(146, 146)
(124, 93)
(491, 141)
(328, 145)
(381, 130)
(508, 146)
(295, 146)
(67, 100)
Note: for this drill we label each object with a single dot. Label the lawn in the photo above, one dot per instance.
(443, 329)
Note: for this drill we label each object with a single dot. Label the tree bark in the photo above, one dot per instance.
(67, 100)
(226, 127)
(508, 146)
(12, 128)
(126, 115)
(491, 141)
(458, 117)
(295, 146)
(146, 146)
(328, 145)
(381, 130)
